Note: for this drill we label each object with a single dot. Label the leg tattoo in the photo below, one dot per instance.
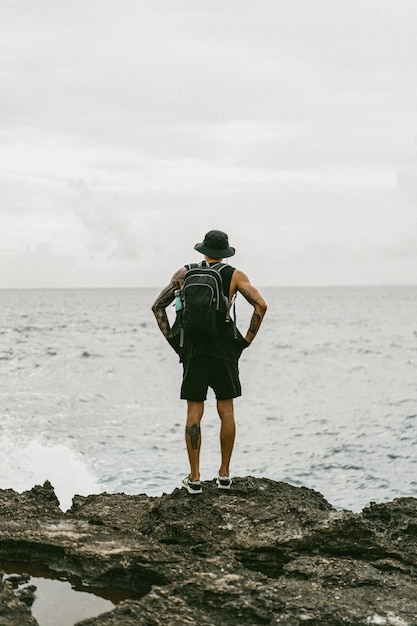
(193, 432)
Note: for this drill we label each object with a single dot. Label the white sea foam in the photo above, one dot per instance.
(25, 465)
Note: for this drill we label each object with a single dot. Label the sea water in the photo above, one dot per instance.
(89, 394)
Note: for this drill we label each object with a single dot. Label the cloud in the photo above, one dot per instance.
(37, 265)
(130, 128)
(407, 184)
(110, 220)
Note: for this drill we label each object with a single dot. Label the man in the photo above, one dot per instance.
(211, 363)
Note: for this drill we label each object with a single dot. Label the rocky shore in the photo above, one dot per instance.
(263, 553)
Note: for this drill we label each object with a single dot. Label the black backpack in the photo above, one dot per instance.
(205, 307)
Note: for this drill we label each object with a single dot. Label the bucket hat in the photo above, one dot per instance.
(215, 245)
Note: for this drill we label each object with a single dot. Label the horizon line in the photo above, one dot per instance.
(275, 286)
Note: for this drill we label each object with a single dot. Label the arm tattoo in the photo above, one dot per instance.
(250, 295)
(164, 299)
(194, 432)
(254, 298)
(255, 323)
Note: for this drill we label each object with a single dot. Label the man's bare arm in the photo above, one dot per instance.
(241, 283)
(164, 299)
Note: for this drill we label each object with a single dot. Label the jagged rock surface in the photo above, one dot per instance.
(263, 553)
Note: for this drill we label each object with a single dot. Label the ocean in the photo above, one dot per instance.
(89, 394)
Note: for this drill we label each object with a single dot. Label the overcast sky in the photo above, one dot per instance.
(128, 128)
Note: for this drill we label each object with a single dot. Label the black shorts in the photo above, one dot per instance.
(203, 372)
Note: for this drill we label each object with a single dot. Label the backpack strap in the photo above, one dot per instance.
(191, 266)
(219, 267)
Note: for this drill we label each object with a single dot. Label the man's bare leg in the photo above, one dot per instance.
(225, 410)
(193, 436)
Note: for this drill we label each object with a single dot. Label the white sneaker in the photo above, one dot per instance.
(192, 486)
(224, 482)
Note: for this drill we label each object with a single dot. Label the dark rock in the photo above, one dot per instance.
(13, 611)
(27, 594)
(17, 580)
(263, 553)
(37, 503)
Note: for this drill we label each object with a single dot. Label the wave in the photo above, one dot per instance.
(25, 465)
